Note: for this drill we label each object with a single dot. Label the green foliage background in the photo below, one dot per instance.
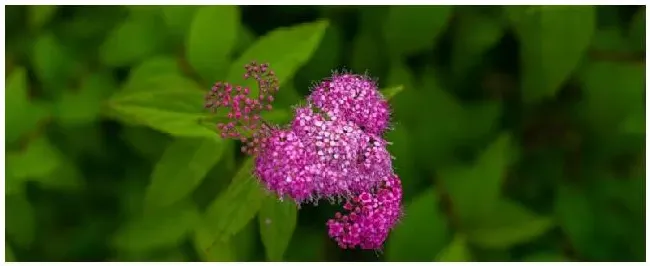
(518, 131)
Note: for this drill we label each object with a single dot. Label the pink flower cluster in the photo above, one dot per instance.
(332, 149)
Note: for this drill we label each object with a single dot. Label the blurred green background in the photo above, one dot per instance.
(518, 133)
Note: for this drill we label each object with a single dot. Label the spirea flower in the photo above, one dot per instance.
(368, 217)
(354, 98)
(333, 149)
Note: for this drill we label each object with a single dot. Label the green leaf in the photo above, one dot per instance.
(22, 116)
(421, 233)
(285, 49)
(152, 67)
(506, 225)
(326, 57)
(606, 110)
(209, 46)
(310, 246)
(245, 39)
(412, 29)
(54, 64)
(9, 254)
(475, 34)
(389, 93)
(210, 249)
(456, 251)
(40, 15)
(475, 190)
(236, 206)
(38, 160)
(163, 228)
(181, 169)
(277, 220)
(553, 41)
(83, 106)
(147, 142)
(170, 104)
(20, 221)
(178, 19)
(135, 39)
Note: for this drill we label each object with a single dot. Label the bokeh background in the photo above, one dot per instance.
(518, 132)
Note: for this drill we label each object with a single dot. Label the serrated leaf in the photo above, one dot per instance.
(20, 221)
(22, 115)
(170, 104)
(476, 189)
(40, 15)
(421, 233)
(553, 41)
(456, 251)
(475, 34)
(389, 93)
(135, 39)
(83, 106)
(277, 220)
(235, 207)
(505, 225)
(166, 227)
(208, 49)
(405, 27)
(181, 169)
(285, 49)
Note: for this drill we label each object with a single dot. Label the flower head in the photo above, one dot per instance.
(354, 98)
(243, 116)
(369, 217)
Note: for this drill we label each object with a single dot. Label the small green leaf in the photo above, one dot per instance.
(209, 46)
(38, 160)
(412, 29)
(54, 64)
(389, 93)
(166, 227)
(83, 106)
(421, 233)
(9, 253)
(178, 19)
(235, 207)
(553, 41)
(22, 116)
(475, 34)
(40, 15)
(132, 41)
(277, 220)
(170, 104)
(152, 67)
(456, 251)
(506, 225)
(285, 49)
(180, 170)
(476, 190)
(20, 221)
